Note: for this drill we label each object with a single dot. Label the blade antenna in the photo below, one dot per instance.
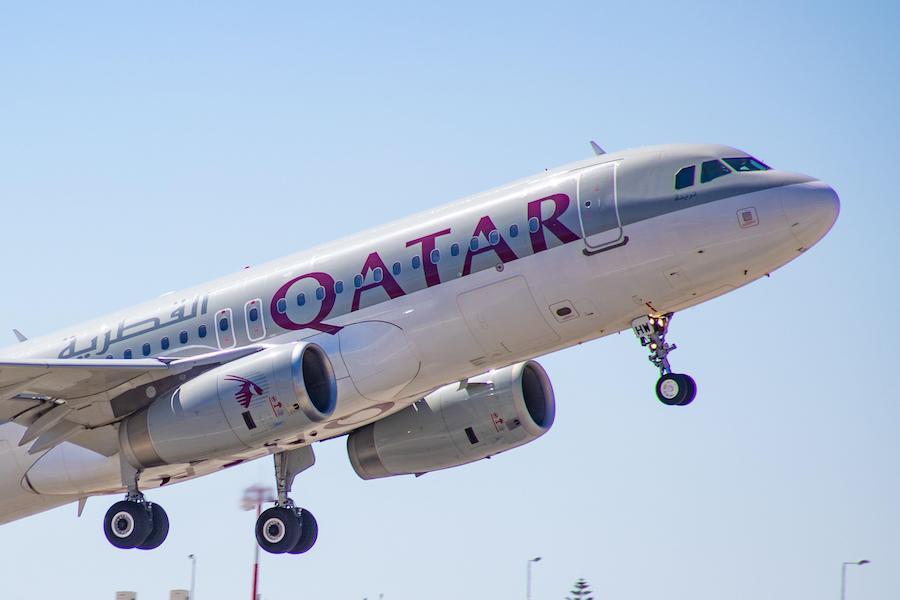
(597, 149)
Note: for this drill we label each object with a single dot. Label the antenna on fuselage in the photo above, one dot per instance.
(597, 149)
(19, 335)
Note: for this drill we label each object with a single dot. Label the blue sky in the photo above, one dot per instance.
(145, 147)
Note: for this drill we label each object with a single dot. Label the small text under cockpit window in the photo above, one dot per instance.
(712, 169)
(746, 163)
(684, 178)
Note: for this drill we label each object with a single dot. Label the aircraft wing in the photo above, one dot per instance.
(65, 399)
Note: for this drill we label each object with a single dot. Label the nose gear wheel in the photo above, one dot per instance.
(673, 389)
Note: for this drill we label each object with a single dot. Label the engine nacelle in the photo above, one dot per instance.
(456, 425)
(271, 395)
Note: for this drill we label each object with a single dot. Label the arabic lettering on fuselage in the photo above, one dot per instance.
(485, 227)
(98, 345)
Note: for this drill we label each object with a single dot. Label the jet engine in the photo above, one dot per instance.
(271, 395)
(457, 424)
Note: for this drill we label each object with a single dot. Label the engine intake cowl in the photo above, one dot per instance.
(457, 424)
(271, 395)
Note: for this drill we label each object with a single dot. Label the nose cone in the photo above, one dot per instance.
(811, 209)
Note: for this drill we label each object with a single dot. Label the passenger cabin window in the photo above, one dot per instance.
(223, 324)
(395, 268)
(416, 262)
(338, 287)
(454, 249)
(685, 177)
(146, 350)
(126, 354)
(183, 337)
(473, 244)
(281, 305)
(320, 293)
(712, 169)
(513, 230)
(201, 331)
(494, 237)
(357, 281)
(746, 163)
(533, 224)
(377, 274)
(253, 314)
(301, 299)
(435, 256)
(164, 343)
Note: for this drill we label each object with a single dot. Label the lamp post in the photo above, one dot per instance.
(254, 496)
(528, 576)
(858, 563)
(193, 574)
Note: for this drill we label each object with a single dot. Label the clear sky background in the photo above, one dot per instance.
(145, 147)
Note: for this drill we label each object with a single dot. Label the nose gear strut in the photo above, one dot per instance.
(673, 389)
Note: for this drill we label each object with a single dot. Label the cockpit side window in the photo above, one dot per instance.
(712, 169)
(746, 163)
(685, 177)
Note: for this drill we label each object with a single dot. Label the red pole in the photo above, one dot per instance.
(256, 552)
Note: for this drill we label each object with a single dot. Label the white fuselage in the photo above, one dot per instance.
(394, 334)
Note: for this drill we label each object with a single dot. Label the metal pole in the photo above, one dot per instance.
(193, 574)
(254, 496)
(256, 553)
(528, 576)
(843, 581)
(528, 581)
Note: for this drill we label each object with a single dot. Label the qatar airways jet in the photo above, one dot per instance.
(416, 338)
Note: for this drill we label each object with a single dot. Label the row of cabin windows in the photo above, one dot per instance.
(713, 169)
(377, 275)
(396, 268)
(165, 343)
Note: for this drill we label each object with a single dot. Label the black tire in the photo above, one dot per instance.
(672, 389)
(309, 532)
(160, 529)
(277, 530)
(691, 390)
(127, 524)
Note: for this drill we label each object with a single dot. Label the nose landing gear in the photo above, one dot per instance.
(285, 528)
(673, 389)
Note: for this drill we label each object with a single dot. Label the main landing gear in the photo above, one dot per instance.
(134, 522)
(285, 528)
(674, 389)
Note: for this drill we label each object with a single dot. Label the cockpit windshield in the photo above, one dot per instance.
(712, 169)
(746, 163)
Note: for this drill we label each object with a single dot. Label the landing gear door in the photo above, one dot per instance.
(598, 208)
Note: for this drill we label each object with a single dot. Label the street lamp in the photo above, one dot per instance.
(528, 576)
(858, 563)
(254, 497)
(193, 574)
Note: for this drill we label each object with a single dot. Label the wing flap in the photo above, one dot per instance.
(45, 422)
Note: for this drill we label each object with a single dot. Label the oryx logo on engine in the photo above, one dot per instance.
(246, 391)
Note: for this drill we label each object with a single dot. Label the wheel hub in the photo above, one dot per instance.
(123, 524)
(273, 530)
(669, 389)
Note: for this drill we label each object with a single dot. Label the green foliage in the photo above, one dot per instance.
(582, 591)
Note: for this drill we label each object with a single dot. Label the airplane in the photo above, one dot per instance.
(416, 340)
